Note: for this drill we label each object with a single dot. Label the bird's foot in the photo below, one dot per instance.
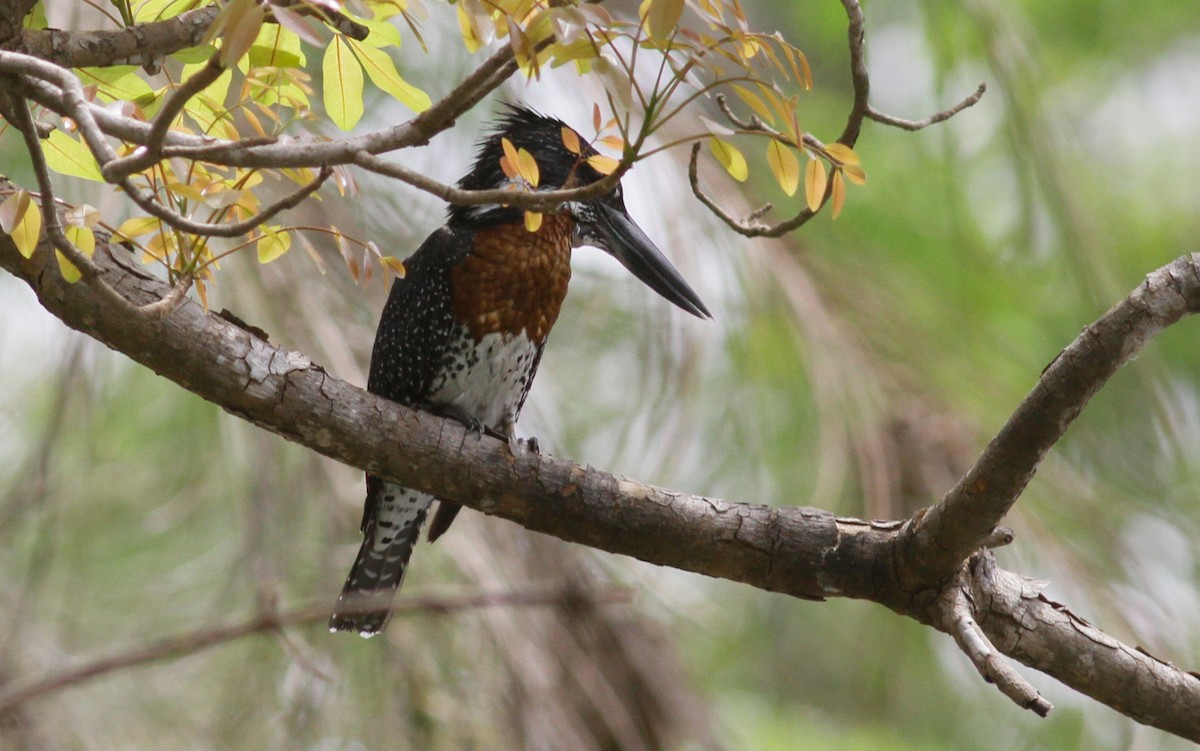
(522, 445)
(453, 412)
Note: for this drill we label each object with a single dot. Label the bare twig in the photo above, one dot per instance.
(214, 229)
(937, 117)
(860, 109)
(211, 636)
(150, 152)
(957, 615)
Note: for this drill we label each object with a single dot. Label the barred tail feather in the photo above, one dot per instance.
(391, 528)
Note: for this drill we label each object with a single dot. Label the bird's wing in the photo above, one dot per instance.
(417, 321)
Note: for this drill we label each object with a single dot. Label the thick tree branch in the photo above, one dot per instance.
(936, 544)
(804, 552)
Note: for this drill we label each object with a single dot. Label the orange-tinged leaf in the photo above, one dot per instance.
(12, 211)
(730, 158)
(273, 244)
(839, 193)
(570, 139)
(533, 220)
(527, 167)
(814, 183)
(605, 165)
(855, 174)
(510, 152)
(507, 167)
(202, 292)
(784, 165)
(83, 215)
(842, 153)
(394, 265)
(614, 142)
(596, 117)
(755, 102)
(241, 29)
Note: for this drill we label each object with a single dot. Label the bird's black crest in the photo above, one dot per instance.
(541, 136)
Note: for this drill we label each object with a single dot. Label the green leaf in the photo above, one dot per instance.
(730, 158)
(275, 47)
(120, 83)
(380, 33)
(158, 10)
(383, 73)
(67, 156)
(343, 85)
(784, 165)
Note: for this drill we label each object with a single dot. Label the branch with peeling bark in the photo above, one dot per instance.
(805, 552)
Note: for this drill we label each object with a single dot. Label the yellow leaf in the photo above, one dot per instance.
(814, 183)
(136, 227)
(855, 174)
(730, 158)
(570, 139)
(533, 220)
(842, 153)
(21, 218)
(605, 165)
(784, 165)
(343, 85)
(839, 193)
(469, 33)
(83, 239)
(273, 244)
(661, 17)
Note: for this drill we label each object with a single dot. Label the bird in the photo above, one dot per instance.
(463, 330)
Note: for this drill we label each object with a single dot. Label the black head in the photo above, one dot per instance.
(602, 222)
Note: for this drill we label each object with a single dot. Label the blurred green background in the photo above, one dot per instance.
(857, 365)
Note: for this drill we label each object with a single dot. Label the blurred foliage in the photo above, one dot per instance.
(856, 365)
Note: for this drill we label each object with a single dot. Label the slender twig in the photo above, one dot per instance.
(211, 636)
(150, 152)
(937, 117)
(860, 109)
(233, 229)
(957, 611)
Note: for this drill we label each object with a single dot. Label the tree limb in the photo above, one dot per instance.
(804, 552)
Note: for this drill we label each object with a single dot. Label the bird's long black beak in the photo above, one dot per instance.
(627, 243)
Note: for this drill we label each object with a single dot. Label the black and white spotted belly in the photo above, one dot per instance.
(486, 379)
